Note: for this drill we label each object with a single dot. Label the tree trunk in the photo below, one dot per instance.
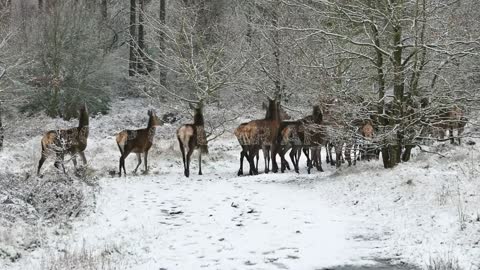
(132, 70)
(104, 9)
(141, 63)
(277, 53)
(395, 146)
(40, 4)
(380, 76)
(163, 70)
(2, 131)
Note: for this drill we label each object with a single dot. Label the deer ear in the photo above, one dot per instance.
(149, 112)
(191, 106)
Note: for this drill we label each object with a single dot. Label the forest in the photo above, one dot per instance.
(384, 91)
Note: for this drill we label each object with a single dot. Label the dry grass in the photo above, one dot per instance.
(445, 263)
(82, 259)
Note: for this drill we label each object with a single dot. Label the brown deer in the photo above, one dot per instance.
(242, 132)
(448, 121)
(258, 134)
(299, 134)
(256, 149)
(61, 142)
(191, 137)
(363, 131)
(137, 141)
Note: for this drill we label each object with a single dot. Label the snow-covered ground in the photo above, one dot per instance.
(422, 210)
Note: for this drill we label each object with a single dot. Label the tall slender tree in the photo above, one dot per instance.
(132, 65)
(104, 8)
(141, 61)
(163, 20)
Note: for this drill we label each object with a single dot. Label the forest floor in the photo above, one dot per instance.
(360, 218)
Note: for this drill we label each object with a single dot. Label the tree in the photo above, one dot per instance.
(142, 62)
(163, 20)
(399, 46)
(104, 9)
(132, 70)
(66, 59)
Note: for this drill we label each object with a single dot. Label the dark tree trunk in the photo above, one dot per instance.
(104, 9)
(279, 87)
(2, 136)
(141, 63)
(40, 4)
(132, 70)
(163, 70)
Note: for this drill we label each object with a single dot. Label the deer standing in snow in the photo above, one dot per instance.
(137, 141)
(71, 141)
(191, 137)
(258, 134)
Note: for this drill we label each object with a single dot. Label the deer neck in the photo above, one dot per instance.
(198, 120)
(83, 121)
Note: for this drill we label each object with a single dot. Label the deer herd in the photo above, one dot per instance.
(276, 134)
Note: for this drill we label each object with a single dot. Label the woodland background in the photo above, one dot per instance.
(379, 59)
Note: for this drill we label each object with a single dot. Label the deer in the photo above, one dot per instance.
(298, 135)
(258, 134)
(448, 121)
(363, 131)
(138, 141)
(256, 149)
(70, 141)
(191, 137)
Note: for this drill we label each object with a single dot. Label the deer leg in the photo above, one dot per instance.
(242, 155)
(274, 161)
(84, 159)
(139, 158)
(41, 161)
(338, 156)
(306, 151)
(450, 135)
(252, 151)
(122, 162)
(282, 151)
(355, 148)
(295, 158)
(146, 162)
(348, 154)
(60, 162)
(199, 162)
(292, 158)
(189, 155)
(74, 160)
(327, 158)
(266, 154)
(182, 150)
(460, 131)
(283, 162)
(310, 160)
(257, 155)
(319, 158)
(330, 160)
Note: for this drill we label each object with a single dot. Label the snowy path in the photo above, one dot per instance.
(159, 222)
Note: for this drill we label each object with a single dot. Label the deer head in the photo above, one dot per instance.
(153, 120)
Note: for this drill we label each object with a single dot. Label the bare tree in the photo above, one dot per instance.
(142, 63)
(398, 45)
(163, 20)
(132, 64)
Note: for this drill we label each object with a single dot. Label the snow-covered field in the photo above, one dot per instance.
(420, 211)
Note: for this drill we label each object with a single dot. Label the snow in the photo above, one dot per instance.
(424, 209)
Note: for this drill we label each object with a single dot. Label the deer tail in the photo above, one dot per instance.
(121, 141)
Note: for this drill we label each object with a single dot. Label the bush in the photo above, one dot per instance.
(68, 58)
(446, 263)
